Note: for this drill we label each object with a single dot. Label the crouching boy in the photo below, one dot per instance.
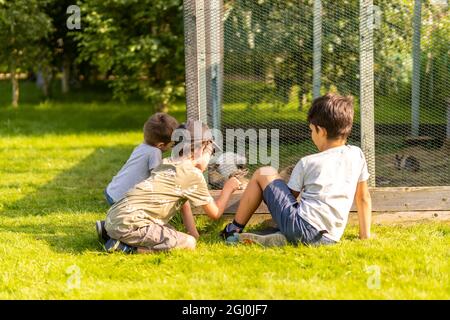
(139, 222)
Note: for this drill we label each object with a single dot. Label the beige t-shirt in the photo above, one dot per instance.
(159, 197)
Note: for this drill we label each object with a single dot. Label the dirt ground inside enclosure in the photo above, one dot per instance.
(434, 168)
(434, 161)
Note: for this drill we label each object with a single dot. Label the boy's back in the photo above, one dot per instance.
(327, 181)
(158, 131)
(158, 198)
(143, 159)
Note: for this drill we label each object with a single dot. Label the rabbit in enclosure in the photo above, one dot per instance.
(228, 165)
(231, 164)
(409, 163)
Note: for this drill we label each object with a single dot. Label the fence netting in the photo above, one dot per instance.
(266, 60)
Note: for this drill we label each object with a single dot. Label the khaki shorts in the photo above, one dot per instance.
(155, 237)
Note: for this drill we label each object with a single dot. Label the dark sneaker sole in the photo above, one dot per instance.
(101, 233)
(117, 246)
(268, 240)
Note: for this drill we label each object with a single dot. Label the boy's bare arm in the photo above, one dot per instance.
(364, 206)
(188, 220)
(215, 209)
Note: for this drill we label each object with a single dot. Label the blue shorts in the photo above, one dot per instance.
(284, 209)
(108, 199)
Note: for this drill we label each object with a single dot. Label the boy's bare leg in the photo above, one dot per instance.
(252, 196)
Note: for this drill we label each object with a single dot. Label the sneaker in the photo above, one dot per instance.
(276, 239)
(232, 239)
(113, 245)
(224, 234)
(101, 231)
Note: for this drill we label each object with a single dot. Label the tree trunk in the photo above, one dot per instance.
(65, 86)
(301, 97)
(47, 80)
(446, 145)
(448, 119)
(15, 85)
(162, 107)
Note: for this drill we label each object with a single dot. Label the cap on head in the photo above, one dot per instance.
(193, 135)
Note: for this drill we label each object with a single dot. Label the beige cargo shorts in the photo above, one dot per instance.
(155, 237)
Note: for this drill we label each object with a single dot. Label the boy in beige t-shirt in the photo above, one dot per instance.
(140, 221)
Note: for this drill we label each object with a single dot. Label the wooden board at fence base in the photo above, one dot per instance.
(377, 218)
(384, 200)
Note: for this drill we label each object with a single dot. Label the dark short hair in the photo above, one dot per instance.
(159, 128)
(334, 113)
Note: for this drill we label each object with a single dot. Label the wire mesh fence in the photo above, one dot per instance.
(258, 64)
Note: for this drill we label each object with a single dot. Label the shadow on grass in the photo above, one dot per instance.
(70, 195)
(76, 191)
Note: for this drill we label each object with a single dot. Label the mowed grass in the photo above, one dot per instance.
(55, 160)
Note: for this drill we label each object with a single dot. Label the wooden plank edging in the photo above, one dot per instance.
(390, 199)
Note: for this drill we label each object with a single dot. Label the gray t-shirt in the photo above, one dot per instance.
(143, 159)
(327, 181)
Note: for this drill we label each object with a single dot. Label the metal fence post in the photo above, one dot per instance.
(190, 45)
(214, 60)
(200, 29)
(367, 85)
(415, 95)
(195, 59)
(317, 48)
(203, 31)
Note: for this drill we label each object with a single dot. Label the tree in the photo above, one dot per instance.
(23, 25)
(61, 44)
(137, 45)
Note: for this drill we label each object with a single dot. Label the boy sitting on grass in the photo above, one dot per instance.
(145, 157)
(328, 182)
(139, 222)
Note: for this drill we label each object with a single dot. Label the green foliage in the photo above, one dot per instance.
(23, 24)
(435, 77)
(138, 45)
(272, 42)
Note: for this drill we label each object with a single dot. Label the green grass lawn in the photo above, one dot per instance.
(55, 160)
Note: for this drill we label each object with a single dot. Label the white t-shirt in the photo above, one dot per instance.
(327, 181)
(138, 167)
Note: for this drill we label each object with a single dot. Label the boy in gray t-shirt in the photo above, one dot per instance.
(327, 183)
(145, 157)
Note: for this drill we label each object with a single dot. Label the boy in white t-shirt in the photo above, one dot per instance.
(328, 182)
